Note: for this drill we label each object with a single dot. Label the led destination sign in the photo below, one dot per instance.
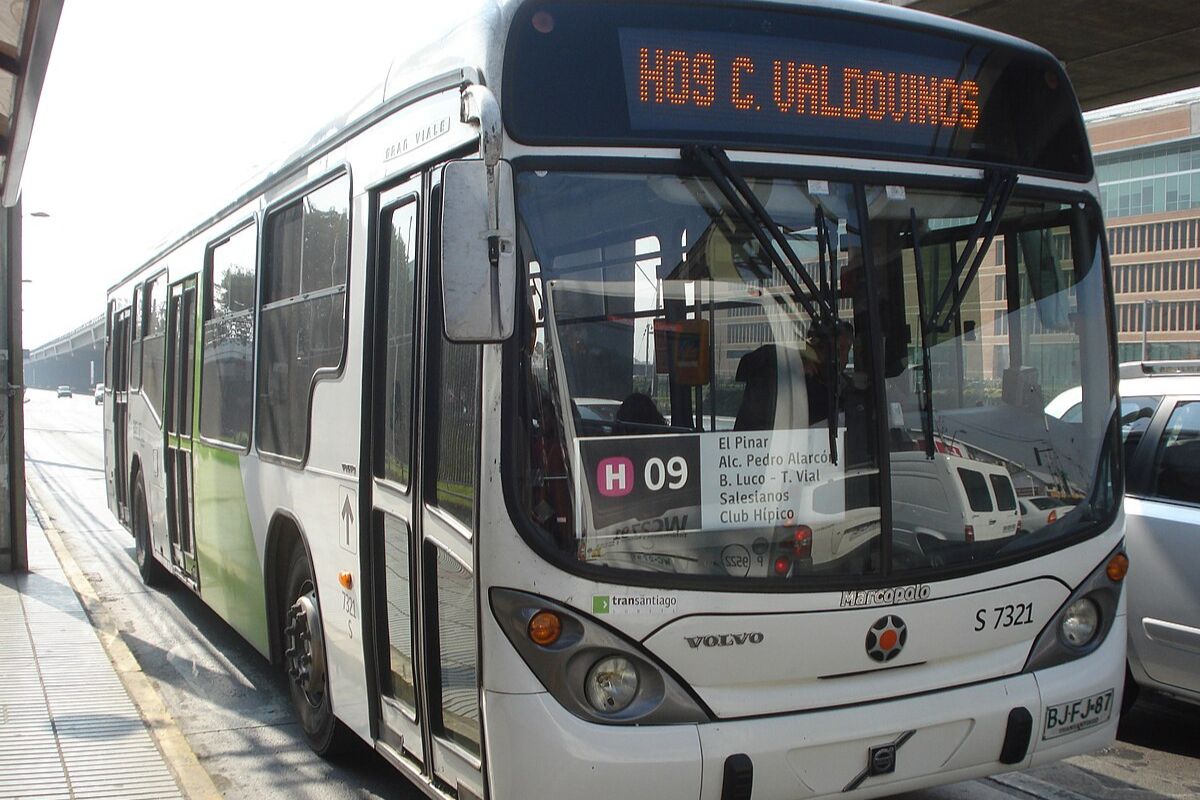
(676, 78)
(705, 82)
(801, 80)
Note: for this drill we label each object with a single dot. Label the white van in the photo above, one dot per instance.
(952, 498)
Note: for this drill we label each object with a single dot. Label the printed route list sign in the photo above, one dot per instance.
(645, 485)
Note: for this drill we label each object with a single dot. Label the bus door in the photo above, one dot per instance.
(118, 423)
(181, 355)
(448, 441)
(401, 707)
(426, 399)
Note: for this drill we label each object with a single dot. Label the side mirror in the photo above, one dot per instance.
(478, 255)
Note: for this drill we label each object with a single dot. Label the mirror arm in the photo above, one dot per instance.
(479, 107)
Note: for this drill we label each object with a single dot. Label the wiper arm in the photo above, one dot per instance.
(751, 211)
(821, 301)
(999, 192)
(829, 282)
(927, 376)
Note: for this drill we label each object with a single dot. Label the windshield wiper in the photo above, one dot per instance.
(829, 283)
(771, 238)
(926, 376)
(821, 301)
(995, 199)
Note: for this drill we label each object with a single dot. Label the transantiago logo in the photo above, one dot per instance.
(724, 640)
(886, 638)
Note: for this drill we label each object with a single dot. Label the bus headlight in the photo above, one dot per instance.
(1080, 622)
(611, 685)
(596, 672)
(1083, 621)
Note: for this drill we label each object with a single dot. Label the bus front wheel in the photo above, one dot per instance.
(304, 658)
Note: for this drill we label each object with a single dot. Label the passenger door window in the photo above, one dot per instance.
(1177, 464)
(154, 343)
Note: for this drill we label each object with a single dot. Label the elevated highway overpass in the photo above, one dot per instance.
(75, 359)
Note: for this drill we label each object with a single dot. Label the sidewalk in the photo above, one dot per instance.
(68, 728)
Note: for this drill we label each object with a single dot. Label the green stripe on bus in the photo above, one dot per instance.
(231, 574)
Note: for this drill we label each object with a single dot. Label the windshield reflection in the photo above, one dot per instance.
(688, 413)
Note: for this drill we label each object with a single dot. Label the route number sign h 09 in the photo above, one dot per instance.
(644, 485)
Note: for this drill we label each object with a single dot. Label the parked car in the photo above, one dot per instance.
(99, 394)
(1161, 431)
(1038, 512)
(952, 498)
(64, 391)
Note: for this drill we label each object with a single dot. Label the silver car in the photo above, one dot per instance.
(1161, 431)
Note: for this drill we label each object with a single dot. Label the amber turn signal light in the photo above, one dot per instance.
(346, 580)
(1118, 565)
(544, 628)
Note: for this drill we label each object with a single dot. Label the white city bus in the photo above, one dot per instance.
(541, 421)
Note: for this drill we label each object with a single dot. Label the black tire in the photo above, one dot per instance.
(151, 571)
(304, 660)
(1130, 695)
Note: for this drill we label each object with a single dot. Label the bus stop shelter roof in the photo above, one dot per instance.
(27, 29)
(1114, 50)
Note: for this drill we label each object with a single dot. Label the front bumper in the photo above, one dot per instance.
(537, 749)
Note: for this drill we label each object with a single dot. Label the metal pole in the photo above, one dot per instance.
(12, 448)
(1146, 329)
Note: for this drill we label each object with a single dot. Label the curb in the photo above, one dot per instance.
(194, 781)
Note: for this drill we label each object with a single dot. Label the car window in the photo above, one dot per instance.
(1045, 503)
(920, 490)
(1006, 499)
(977, 491)
(1177, 464)
(1136, 413)
(1074, 413)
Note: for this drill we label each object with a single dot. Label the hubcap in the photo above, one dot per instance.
(305, 648)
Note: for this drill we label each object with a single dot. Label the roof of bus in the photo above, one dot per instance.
(473, 44)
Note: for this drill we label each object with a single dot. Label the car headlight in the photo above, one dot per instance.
(1080, 622)
(611, 685)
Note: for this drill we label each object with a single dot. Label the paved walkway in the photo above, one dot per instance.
(67, 726)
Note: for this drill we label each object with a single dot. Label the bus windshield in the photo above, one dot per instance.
(688, 413)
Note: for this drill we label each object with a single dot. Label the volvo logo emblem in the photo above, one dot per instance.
(724, 639)
(886, 638)
(881, 760)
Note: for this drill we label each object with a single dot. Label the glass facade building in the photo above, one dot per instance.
(1147, 160)
(1150, 180)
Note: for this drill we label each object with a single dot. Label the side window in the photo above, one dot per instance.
(398, 349)
(977, 491)
(1006, 499)
(135, 366)
(154, 342)
(1136, 413)
(227, 369)
(303, 316)
(1177, 463)
(920, 490)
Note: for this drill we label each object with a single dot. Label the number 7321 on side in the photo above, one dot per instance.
(1006, 616)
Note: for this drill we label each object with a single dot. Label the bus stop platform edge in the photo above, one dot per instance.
(78, 719)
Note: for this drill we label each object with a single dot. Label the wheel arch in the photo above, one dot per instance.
(284, 534)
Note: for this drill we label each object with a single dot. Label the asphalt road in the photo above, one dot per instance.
(234, 710)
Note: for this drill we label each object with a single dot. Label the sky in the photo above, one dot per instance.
(155, 113)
